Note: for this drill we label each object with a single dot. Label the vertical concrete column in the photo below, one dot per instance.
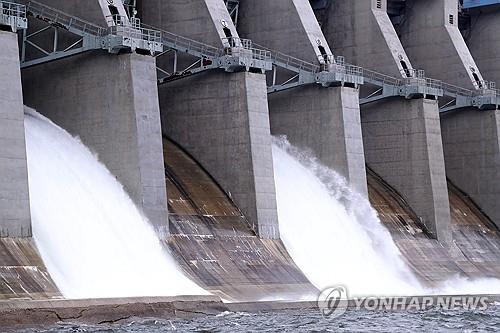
(15, 217)
(484, 40)
(470, 136)
(471, 141)
(473, 156)
(206, 21)
(325, 120)
(431, 37)
(403, 145)
(402, 138)
(111, 103)
(362, 31)
(222, 119)
(288, 26)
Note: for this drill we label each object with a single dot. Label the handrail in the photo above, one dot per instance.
(236, 43)
(178, 42)
(133, 29)
(64, 19)
(289, 61)
(452, 90)
(12, 9)
(13, 15)
(372, 76)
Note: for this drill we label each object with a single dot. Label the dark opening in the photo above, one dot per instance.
(227, 32)
(323, 53)
(114, 13)
(476, 78)
(405, 68)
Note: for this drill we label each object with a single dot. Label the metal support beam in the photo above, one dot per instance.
(284, 71)
(239, 55)
(233, 9)
(84, 36)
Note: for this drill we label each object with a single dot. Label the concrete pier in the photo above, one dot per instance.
(111, 103)
(484, 40)
(402, 138)
(432, 40)
(324, 120)
(362, 32)
(484, 43)
(221, 119)
(402, 141)
(431, 36)
(15, 217)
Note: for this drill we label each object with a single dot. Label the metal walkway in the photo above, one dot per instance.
(189, 57)
(486, 98)
(334, 72)
(80, 36)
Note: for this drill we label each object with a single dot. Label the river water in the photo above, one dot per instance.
(310, 320)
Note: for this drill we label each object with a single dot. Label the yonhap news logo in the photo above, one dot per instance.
(334, 301)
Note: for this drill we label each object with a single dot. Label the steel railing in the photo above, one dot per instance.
(233, 44)
(187, 45)
(122, 26)
(290, 62)
(13, 15)
(8, 8)
(379, 78)
(452, 90)
(63, 19)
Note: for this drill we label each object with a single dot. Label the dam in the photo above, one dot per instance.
(248, 151)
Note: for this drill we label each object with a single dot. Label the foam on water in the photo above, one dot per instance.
(92, 238)
(336, 238)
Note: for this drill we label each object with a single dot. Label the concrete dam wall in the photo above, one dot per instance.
(180, 101)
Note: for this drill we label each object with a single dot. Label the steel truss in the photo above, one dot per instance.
(233, 7)
(183, 56)
(178, 57)
(70, 35)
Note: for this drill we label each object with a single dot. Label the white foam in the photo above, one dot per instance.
(336, 237)
(92, 238)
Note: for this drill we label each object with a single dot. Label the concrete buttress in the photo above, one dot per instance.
(15, 217)
(471, 140)
(402, 138)
(221, 119)
(323, 120)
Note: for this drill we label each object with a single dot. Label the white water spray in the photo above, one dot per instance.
(332, 233)
(336, 238)
(92, 238)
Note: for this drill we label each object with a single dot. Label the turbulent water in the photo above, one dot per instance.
(95, 242)
(308, 320)
(336, 238)
(92, 238)
(332, 233)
